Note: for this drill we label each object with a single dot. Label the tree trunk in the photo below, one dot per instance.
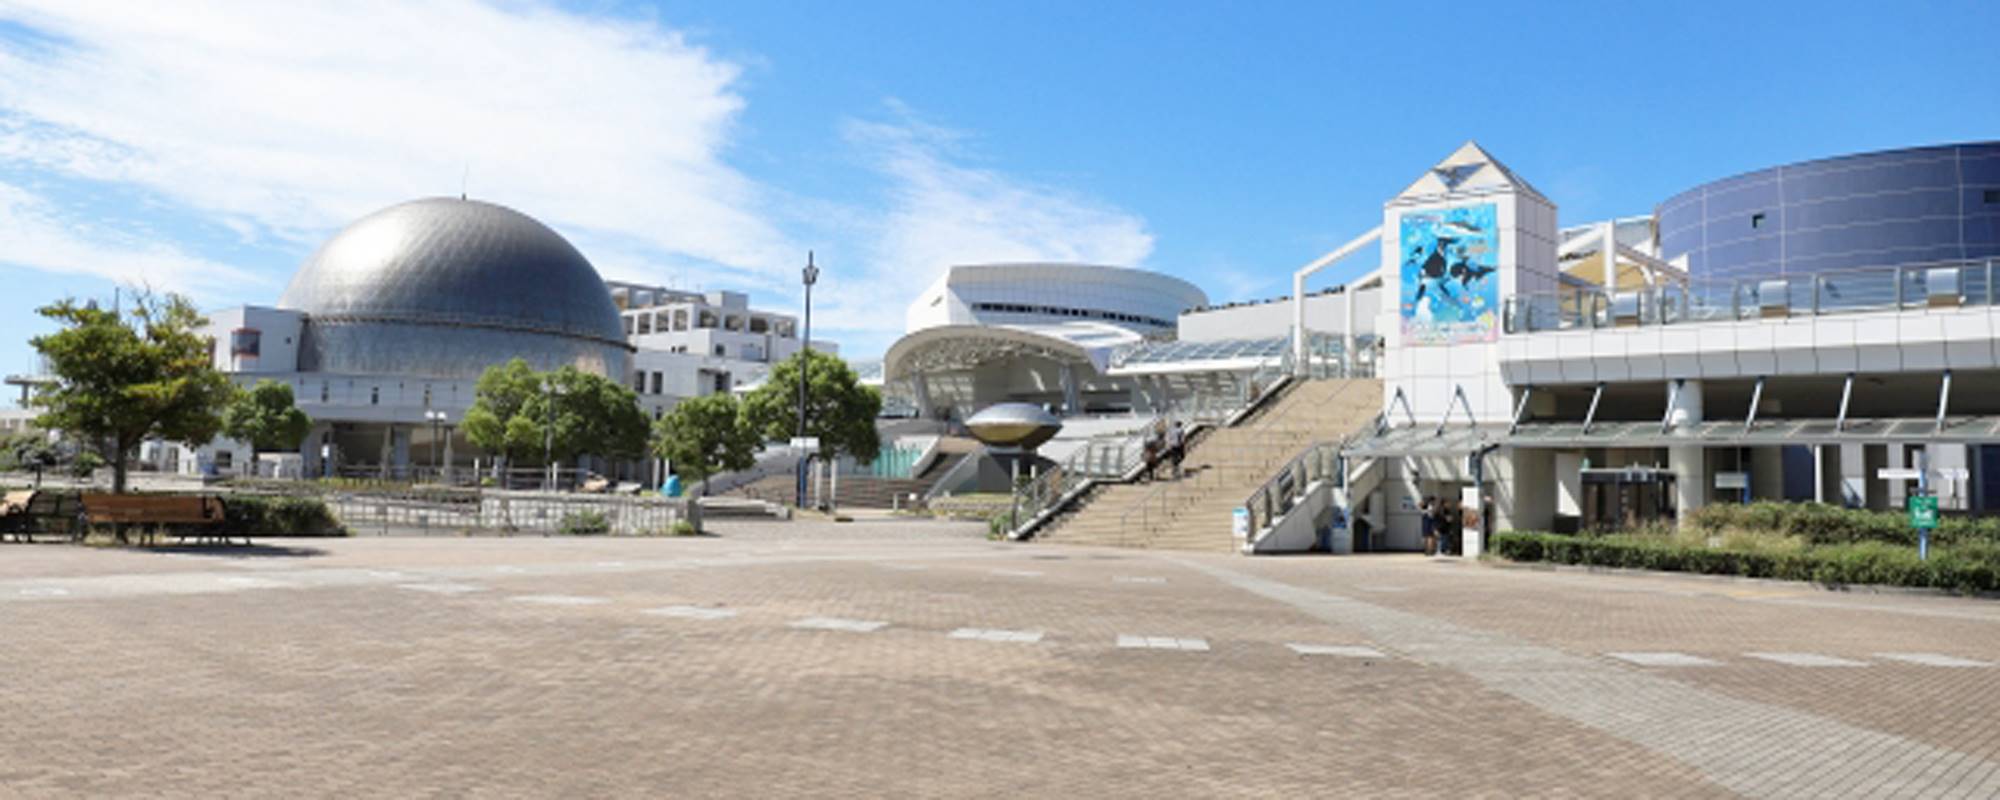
(118, 468)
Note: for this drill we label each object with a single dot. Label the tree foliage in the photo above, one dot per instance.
(706, 435)
(839, 410)
(266, 417)
(120, 378)
(517, 412)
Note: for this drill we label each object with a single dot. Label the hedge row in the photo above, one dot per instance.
(1971, 567)
(278, 515)
(1822, 524)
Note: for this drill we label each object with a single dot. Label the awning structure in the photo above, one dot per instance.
(1735, 433)
(1425, 440)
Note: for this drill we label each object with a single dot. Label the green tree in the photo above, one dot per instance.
(518, 412)
(266, 418)
(594, 415)
(704, 436)
(839, 410)
(122, 378)
(496, 421)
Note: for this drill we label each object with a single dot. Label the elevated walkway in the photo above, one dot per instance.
(1220, 470)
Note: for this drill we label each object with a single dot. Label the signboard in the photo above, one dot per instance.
(808, 444)
(1923, 511)
(1952, 473)
(1239, 524)
(1732, 480)
(1450, 275)
(1898, 474)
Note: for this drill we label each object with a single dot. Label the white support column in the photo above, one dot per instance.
(1689, 463)
(1347, 356)
(1609, 247)
(1299, 292)
(1819, 473)
(1854, 475)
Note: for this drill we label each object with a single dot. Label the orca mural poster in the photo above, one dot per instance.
(1451, 275)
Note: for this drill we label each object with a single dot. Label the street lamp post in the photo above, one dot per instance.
(550, 391)
(810, 276)
(436, 419)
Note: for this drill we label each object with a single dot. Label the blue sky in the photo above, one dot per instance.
(209, 146)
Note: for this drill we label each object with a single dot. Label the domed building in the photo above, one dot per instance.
(385, 329)
(444, 288)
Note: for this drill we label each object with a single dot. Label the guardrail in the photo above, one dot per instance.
(1948, 284)
(1166, 498)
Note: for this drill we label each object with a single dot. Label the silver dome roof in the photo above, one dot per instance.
(446, 287)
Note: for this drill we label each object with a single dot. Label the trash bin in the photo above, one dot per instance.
(672, 488)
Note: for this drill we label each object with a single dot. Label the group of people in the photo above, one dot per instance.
(1165, 444)
(1445, 524)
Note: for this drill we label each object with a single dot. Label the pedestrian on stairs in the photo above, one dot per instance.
(1176, 446)
(1152, 447)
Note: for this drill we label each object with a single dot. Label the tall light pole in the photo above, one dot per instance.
(436, 419)
(550, 391)
(810, 276)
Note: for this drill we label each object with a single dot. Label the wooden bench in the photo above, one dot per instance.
(182, 516)
(29, 513)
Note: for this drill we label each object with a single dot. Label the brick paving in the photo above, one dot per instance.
(393, 667)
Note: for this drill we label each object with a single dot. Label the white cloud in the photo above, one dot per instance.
(35, 234)
(280, 122)
(942, 211)
(290, 119)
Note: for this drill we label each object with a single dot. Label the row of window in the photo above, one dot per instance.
(644, 322)
(1063, 311)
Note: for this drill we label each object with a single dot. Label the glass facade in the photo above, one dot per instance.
(1892, 208)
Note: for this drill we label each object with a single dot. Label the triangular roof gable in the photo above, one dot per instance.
(1469, 168)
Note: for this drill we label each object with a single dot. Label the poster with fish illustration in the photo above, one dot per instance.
(1451, 275)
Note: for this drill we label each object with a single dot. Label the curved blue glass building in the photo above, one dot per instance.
(1889, 208)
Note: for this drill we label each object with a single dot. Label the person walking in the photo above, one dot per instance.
(1427, 512)
(1176, 447)
(1152, 452)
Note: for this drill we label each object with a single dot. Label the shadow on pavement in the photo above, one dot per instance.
(236, 551)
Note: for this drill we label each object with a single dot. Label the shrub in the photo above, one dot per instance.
(682, 527)
(85, 464)
(1972, 566)
(279, 515)
(584, 523)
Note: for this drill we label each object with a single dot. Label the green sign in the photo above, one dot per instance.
(1923, 511)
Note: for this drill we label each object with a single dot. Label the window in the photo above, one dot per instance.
(427, 395)
(1757, 220)
(656, 382)
(224, 460)
(1991, 196)
(322, 391)
(719, 351)
(245, 342)
(374, 395)
(760, 325)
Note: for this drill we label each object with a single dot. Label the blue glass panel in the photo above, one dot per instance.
(1742, 201)
(1673, 244)
(1740, 181)
(1854, 259)
(1866, 180)
(1981, 169)
(1872, 237)
(1983, 229)
(1872, 208)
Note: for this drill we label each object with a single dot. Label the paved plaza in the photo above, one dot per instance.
(919, 659)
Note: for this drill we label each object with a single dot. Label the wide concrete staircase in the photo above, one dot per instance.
(1221, 470)
(856, 491)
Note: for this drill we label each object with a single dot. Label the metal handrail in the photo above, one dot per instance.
(1844, 291)
(1163, 497)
